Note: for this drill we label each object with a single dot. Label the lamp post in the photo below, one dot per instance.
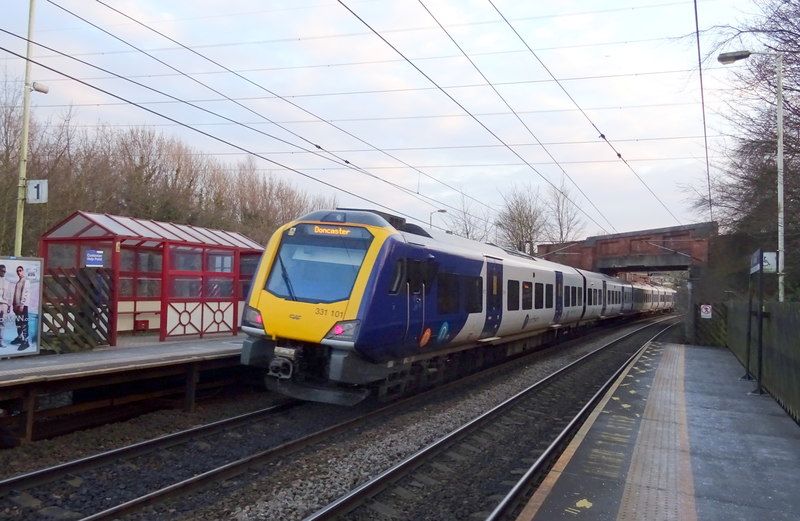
(22, 182)
(731, 57)
(430, 219)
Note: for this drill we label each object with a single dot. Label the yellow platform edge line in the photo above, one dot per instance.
(543, 491)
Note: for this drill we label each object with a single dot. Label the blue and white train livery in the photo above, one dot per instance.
(351, 302)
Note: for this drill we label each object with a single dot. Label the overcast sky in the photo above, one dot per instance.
(624, 62)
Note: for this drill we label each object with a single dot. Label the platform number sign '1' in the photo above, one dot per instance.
(37, 191)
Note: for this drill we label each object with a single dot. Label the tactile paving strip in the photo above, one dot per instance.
(659, 483)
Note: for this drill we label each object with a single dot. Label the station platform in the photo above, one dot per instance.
(47, 368)
(25, 380)
(677, 438)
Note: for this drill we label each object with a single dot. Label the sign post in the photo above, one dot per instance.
(20, 298)
(760, 262)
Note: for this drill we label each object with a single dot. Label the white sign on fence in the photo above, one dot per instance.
(705, 310)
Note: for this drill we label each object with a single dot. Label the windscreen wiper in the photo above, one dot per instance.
(285, 275)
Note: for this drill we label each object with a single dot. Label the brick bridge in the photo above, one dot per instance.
(661, 249)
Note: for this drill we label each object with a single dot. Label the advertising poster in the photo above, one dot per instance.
(20, 306)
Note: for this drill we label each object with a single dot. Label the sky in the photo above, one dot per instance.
(439, 132)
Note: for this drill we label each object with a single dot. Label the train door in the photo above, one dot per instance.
(419, 276)
(603, 297)
(494, 298)
(559, 296)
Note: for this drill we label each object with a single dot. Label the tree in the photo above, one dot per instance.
(744, 196)
(471, 222)
(563, 223)
(522, 222)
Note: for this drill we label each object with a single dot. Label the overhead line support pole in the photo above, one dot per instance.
(23, 152)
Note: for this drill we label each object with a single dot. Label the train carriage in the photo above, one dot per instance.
(348, 301)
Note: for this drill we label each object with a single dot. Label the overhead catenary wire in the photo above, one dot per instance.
(703, 108)
(295, 39)
(228, 14)
(490, 131)
(424, 198)
(601, 134)
(516, 115)
(343, 163)
(216, 138)
(305, 110)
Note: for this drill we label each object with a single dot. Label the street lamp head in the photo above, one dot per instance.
(726, 58)
(40, 87)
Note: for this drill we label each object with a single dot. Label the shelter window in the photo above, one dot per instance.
(127, 260)
(513, 295)
(187, 287)
(61, 255)
(148, 287)
(218, 287)
(183, 258)
(527, 294)
(474, 286)
(448, 295)
(126, 286)
(548, 296)
(219, 261)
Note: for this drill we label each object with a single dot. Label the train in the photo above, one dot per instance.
(349, 303)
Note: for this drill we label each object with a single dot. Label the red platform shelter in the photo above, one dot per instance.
(174, 278)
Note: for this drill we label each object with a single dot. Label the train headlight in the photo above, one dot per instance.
(252, 318)
(345, 330)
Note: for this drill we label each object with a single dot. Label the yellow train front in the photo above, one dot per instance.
(302, 314)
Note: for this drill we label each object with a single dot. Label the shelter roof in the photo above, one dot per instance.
(87, 225)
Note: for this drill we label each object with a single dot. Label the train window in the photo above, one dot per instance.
(474, 287)
(566, 297)
(513, 295)
(574, 293)
(495, 284)
(397, 278)
(527, 295)
(589, 299)
(548, 296)
(538, 297)
(580, 296)
(415, 275)
(447, 297)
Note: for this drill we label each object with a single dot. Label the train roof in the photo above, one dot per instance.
(436, 239)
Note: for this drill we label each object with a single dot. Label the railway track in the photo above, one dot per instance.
(486, 468)
(59, 481)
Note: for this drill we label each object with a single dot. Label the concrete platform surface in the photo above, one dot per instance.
(678, 438)
(14, 371)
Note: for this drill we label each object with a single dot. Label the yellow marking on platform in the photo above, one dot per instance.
(537, 500)
(626, 406)
(632, 391)
(615, 398)
(583, 503)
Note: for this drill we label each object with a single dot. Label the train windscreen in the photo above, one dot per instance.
(318, 263)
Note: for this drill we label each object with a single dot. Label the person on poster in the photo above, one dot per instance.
(5, 301)
(20, 305)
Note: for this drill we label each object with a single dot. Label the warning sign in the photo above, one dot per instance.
(705, 310)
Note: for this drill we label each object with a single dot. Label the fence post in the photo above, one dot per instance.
(747, 374)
